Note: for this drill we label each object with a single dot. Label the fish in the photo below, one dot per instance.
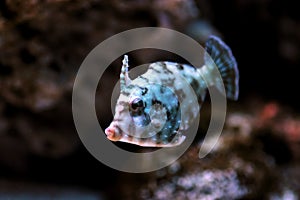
(149, 109)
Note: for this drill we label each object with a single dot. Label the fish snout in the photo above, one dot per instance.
(112, 133)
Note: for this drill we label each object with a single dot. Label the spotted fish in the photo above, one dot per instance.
(149, 109)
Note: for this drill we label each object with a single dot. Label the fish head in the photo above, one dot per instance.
(139, 116)
(146, 113)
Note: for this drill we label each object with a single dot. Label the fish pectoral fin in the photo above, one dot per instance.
(177, 140)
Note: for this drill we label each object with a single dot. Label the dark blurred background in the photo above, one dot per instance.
(42, 44)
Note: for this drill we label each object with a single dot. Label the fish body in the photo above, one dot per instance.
(149, 109)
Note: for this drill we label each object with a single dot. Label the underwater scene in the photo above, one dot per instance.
(149, 99)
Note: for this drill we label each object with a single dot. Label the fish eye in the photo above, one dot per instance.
(136, 104)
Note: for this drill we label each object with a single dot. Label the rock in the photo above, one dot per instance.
(29, 190)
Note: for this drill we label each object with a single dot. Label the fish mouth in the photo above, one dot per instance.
(112, 133)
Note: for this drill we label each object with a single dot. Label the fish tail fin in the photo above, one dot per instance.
(222, 56)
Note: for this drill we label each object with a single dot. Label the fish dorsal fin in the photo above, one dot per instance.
(124, 77)
(226, 63)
